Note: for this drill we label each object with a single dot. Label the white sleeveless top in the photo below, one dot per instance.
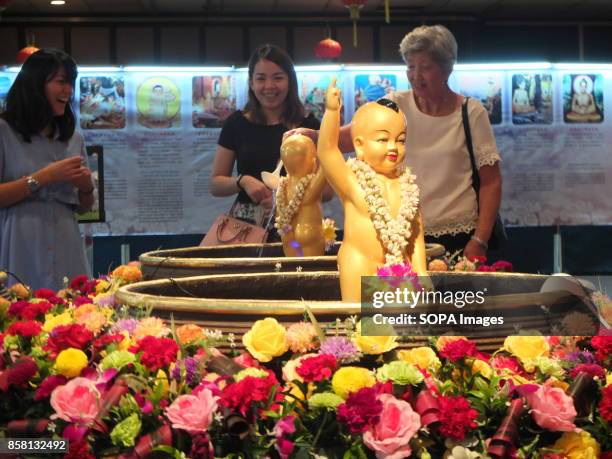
(437, 153)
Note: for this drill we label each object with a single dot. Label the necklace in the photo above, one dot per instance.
(286, 210)
(393, 233)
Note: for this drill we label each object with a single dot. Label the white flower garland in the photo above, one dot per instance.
(393, 233)
(285, 211)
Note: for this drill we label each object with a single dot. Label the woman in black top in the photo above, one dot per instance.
(252, 137)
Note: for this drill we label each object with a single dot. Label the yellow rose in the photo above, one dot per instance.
(608, 379)
(374, 344)
(350, 379)
(526, 347)
(578, 446)
(70, 362)
(423, 357)
(481, 367)
(102, 286)
(266, 339)
(52, 321)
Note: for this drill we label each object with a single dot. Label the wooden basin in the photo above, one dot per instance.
(244, 258)
(233, 302)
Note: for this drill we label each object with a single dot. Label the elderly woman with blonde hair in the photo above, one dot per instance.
(437, 148)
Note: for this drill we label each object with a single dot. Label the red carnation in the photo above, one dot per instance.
(591, 369)
(605, 406)
(64, 336)
(47, 386)
(26, 328)
(83, 284)
(1, 343)
(29, 311)
(81, 300)
(603, 346)
(79, 450)
(501, 362)
(478, 259)
(103, 341)
(240, 395)
(49, 295)
(317, 368)
(156, 352)
(459, 349)
(484, 269)
(606, 455)
(457, 417)
(502, 265)
(18, 373)
(361, 410)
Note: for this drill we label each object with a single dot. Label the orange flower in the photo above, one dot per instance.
(20, 291)
(128, 273)
(189, 333)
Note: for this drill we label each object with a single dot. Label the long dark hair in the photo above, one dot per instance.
(27, 109)
(294, 110)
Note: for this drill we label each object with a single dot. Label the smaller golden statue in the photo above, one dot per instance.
(298, 199)
(382, 220)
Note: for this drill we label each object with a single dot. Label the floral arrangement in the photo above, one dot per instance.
(287, 208)
(468, 264)
(394, 233)
(74, 364)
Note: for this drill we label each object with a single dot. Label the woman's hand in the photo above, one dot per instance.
(83, 180)
(473, 249)
(257, 191)
(310, 133)
(65, 170)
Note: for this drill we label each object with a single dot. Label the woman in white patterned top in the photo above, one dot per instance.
(436, 148)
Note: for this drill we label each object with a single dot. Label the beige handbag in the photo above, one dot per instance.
(229, 230)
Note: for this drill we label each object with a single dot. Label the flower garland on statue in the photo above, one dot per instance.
(393, 233)
(285, 211)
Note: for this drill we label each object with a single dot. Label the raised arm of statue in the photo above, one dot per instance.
(330, 157)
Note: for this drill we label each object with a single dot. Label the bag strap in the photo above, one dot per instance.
(470, 146)
(241, 233)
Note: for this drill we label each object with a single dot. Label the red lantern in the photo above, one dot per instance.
(354, 6)
(26, 52)
(328, 49)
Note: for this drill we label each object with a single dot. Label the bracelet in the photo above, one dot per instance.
(240, 187)
(479, 241)
(87, 192)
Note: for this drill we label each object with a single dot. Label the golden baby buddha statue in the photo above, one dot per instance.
(298, 199)
(382, 220)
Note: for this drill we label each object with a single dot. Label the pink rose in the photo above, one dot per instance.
(390, 438)
(76, 401)
(193, 413)
(552, 409)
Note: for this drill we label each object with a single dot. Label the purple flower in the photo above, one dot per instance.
(342, 348)
(128, 325)
(189, 367)
(582, 357)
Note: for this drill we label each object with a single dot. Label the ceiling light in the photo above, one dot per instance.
(58, 2)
